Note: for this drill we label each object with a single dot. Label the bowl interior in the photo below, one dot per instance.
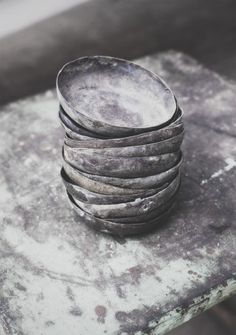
(116, 92)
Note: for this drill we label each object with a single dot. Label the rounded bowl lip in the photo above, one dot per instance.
(91, 136)
(66, 119)
(87, 175)
(65, 103)
(115, 228)
(112, 140)
(168, 191)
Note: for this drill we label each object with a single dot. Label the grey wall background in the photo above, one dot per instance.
(31, 57)
(19, 14)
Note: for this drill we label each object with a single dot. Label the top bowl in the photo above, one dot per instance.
(114, 97)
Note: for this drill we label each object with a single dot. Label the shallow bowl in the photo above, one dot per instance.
(137, 207)
(122, 167)
(89, 197)
(136, 183)
(120, 229)
(112, 96)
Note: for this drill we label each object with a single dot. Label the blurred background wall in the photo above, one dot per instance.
(37, 37)
(19, 14)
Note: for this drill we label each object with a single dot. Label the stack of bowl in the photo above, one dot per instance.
(121, 153)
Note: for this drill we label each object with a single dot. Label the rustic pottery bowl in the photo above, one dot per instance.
(114, 97)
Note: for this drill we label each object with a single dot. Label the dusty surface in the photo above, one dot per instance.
(58, 277)
(108, 95)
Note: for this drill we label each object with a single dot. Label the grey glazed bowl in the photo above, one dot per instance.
(123, 167)
(86, 196)
(147, 182)
(120, 229)
(72, 127)
(77, 139)
(151, 149)
(96, 186)
(114, 97)
(77, 132)
(136, 207)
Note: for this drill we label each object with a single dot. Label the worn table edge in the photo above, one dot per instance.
(176, 317)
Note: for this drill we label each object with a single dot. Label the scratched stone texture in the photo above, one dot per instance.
(58, 277)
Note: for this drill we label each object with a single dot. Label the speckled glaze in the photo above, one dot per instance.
(58, 276)
(111, 96)
(121, 122)
(132, 208)
(173, 129)
(123, 167)
(138, 183)
(71, 127)
(89, 197)
(119, 229)
(167, 146)
(147, 216)
(96, 186)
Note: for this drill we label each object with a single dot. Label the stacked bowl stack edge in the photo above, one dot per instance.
(122, 146)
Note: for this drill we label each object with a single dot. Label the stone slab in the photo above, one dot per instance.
(58, 277)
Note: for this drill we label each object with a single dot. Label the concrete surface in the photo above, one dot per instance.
(59, 277)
